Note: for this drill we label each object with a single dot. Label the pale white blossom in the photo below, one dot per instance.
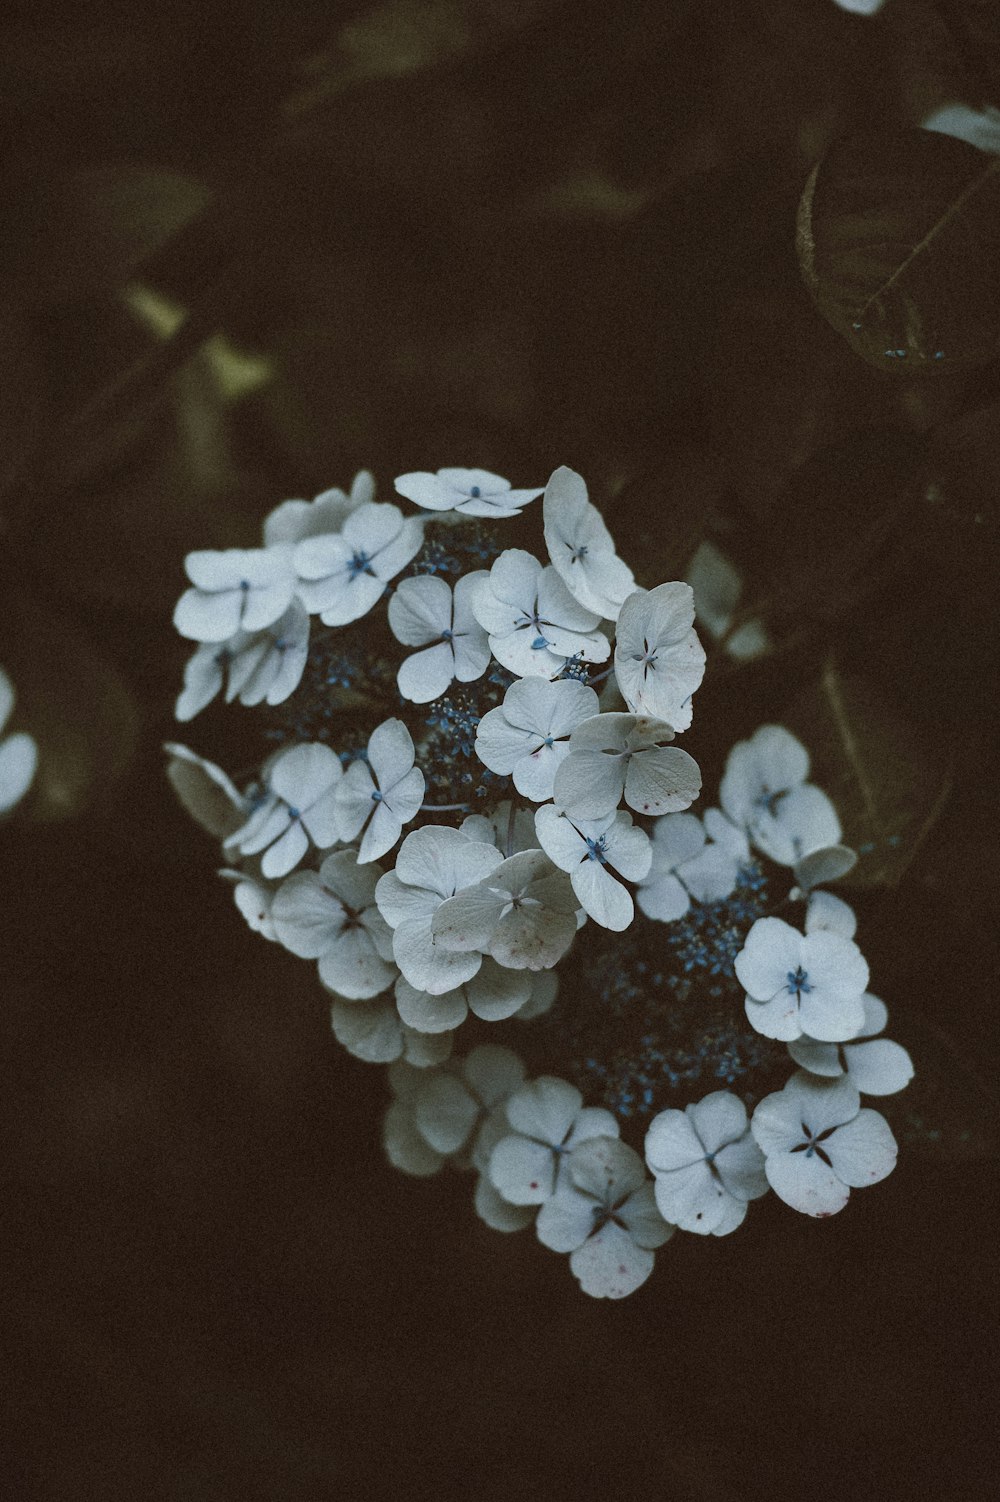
(860, 7)
(706, 1164)
(472, 492)
(819, 1143)
(433, 864)
(237, 589)
(405, 1145)
(449, 1104)
(828, 913)
(590, 850)
(717, 586)
(260, 665)
(659, 661)
(612, 756)
(686, 865)
(341, 576)
(253, 896)
(205, 791)
(330, 915)
(802, 983)
(527, 736)
(425, 612)
(18, 753)
(374, 1032)
(380, 792)
(298, 808)
(764, 790)
(875, 1066)
(545, 1119)
(581, 548)
(604, 1214)
(493, 994)
(291, 521)
(533, 621)
(523, 914)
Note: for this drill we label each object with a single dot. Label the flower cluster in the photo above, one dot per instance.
(469, 778)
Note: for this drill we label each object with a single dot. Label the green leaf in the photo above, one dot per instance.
(888, 781)
(899, 244)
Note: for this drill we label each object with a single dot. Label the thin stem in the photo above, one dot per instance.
(509, 851)
(443, 808)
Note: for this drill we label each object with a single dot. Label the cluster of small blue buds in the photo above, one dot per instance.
(453, 771)
(454, 550)
(346, 689)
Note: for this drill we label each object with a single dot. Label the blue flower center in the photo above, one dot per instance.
(547, 740)
(798, 980)
(447, 635)
(293, 812)
(376, 796)
(475, 492)
(578, 554)
(244, 585)
(768, 801)
(811, 1146)
(360, 564)
(595, 850)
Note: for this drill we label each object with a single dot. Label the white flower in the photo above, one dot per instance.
(764, 791)
(424, 612)
(291, 521)
(581, 547)
(534, 623)
(527, 736)
(205, 791)
(819, 1144)
(492, 995)
(717, 587)
(706, 1164)
(380, 792)
(685, 866)
(238, 589)
(523, 914)
(611, 755)
(299, 807)
(491, 1207)
(875, 1066)
(261, 665)
(590, 849)
(374, 1032)
(604, 1214)
(548, 1118)
(433, 864)
(330, 915)
(253, 897)
(449, 1104)
(795, 983)
(473, 492)
(826, 913)
(342, 576)
(659, 661)
(18, 753)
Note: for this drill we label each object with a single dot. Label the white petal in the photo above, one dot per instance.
(286, 852)
(712, 875)
(773, 948)
(430, 1014)
(718, 1119)
(610, 1265)
(545, 1109)
(203, 678)
(566, 1220)
(740, 1166)
(307, 918)
(495, 993)
(370, 1030)
(816, 1058)
(627, 848)
(420, 610)
(691, 1198)
(496, 1212)
(607, 1169)
(425, 964)
(18, 763)
(863, 1151)
(493, 1072)
(424, 1050)
(205, 791)
(879, 1067)
(602, 897)
(561, 840)
(663, 780)
(523, 1171)
(445, 1113)
(304, 773)
(204, 617)
(672, 1142)
(663, 898)
(352, 968)
(426, 675)
(807, 1184)
(404, 1145)
(831, 914)
(589, 783)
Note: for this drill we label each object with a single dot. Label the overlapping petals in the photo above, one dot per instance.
(764, 790)
(659, 661)
(875, 1066)
(612, 756)
(527, 736)
(330, 915)
(374, 1032)
(342, 576)
(471, 492)
(706, 1164)
(425, 612)
(523, 914)
(590, 850)
(819, 1143)
(802, 983)
(533, 621)
(205, 791)
(685, 865)
(581, 548)
(493, 994)
(546, 1119)
(298, 808)
(380, 792)
(237, 589)
(291, 521)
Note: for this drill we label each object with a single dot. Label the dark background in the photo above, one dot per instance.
(515, 233)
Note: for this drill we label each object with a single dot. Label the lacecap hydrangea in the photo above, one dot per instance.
(471, 813)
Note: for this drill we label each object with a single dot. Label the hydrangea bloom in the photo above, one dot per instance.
(819, 1143)
(706, 1164)
(444, 721)
(472, 492)
(534, 623)
(802, 983)
(659, 661)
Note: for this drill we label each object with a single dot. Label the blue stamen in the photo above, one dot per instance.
(798, 981)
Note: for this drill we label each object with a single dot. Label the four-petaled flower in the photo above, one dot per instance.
(616, 755)
(590, 849)
(261, 666)
(527, 736)
(523, 914)
(380, 792)
(659, 661)
(425, 612)
(342, 576)
(581, 547)
(545, 1120)
(819, 1143)
(604, 1214)
(764, 790)
(298, 807)
(534, 623)
(238, 589)
(330, 915)
(685, 865)
(706, 1164)
(450, 1103)
(291, 521)
(493, 994)
(802, 983)
(473, 492)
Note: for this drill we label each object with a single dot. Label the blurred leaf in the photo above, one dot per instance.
(76, 705)
(887, 779)
(899, 245)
